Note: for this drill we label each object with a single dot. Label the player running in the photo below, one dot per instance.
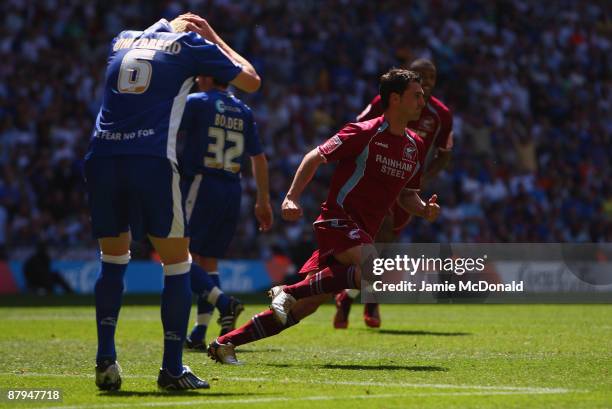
(219, 132)
(435, 127)
(376, 160)
(133, 181)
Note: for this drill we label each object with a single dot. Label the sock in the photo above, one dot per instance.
(370, 308)
(352, 293)
(262, 325)
(175, 306)
(108, 293)
(329, 280)
(205, 285)
(205, 310)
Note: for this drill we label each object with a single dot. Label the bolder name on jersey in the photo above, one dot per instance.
(227, 122)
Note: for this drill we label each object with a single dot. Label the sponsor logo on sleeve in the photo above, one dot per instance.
(330, 145)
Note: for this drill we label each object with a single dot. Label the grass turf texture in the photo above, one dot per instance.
(425, 356)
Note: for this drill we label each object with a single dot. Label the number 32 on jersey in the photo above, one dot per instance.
(224, 158)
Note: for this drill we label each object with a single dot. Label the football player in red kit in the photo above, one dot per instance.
(375, 161)
(435, 127)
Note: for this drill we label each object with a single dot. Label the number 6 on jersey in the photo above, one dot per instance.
(135, 72)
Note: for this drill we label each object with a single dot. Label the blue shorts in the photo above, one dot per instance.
(140, 194)
(212, 207)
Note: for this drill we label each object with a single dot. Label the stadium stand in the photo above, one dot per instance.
(528, 85)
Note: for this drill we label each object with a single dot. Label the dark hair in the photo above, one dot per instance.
(220, 83)
(396, 80)
(421, 63)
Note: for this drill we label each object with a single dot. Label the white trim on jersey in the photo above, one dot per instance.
(192, 195)
(178, 219)
(176, 114)
(429, 155)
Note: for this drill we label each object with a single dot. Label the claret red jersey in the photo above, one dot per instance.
(374, 165)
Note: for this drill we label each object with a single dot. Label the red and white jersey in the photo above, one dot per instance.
(435, 124)
(374, 165)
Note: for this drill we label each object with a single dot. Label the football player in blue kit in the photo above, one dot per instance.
(133, 182)
(219, 132)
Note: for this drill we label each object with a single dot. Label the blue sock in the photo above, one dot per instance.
(203, 285)
(205, 310)
(108, 292)
(175, 306)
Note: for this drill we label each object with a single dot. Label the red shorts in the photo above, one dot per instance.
(400, 218)
(333, 236)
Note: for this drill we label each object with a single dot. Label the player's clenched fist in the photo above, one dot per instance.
(291, 210)
(432, 209)
(264, 215)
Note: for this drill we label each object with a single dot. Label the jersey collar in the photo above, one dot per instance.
(161, 26)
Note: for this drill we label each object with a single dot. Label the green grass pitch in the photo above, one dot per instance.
(425, 356)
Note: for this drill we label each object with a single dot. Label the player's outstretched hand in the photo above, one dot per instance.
(432, 209)
(264, 216)
(199, 25)
(291, 210)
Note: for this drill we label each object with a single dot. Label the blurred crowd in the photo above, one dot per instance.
(528, 82)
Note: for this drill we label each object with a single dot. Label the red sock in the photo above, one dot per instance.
(262, 325)
(329, 280)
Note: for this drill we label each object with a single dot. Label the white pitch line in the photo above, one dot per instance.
(526, 389)
(282, 399)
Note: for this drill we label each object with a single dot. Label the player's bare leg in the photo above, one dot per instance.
(344, 300)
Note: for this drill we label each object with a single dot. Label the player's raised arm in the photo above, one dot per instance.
(248, 80)
(412, 203)
(291, 209)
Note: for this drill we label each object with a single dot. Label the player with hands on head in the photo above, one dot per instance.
(133, 185)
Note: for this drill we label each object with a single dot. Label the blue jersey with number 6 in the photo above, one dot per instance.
(148, 77)
(220, 132)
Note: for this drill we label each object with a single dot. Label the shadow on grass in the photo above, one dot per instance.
(256, 350)
(416, 332)
(172, 394)
(413, 368)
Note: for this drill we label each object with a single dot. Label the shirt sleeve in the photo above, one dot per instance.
(445, 139)
(253, 144)
(211, 60)
(348, 142)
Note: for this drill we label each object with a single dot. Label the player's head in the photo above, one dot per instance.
(428, 73)
(206, 83)
(400, 90)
